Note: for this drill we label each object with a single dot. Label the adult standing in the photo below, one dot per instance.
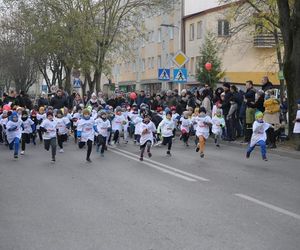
(11, 98)
(94, 102)
(142, 99)
(249, 99)
(43, 100)
(272, 116)
(226, 107)
(23, 100)
(266, 84)
(206, 103)
(59, 100)
(77, 100)
(101, 98)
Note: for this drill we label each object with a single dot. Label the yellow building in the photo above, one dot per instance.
(155, 51)
(244, 55)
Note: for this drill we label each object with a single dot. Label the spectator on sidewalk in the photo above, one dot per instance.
(59, 100)
(272, 116)
(249, 99)
(296, 130)
(226, 107)
(43, 100)
(266, 84)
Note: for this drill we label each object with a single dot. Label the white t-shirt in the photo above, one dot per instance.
(297, 124)
(62, 125)
(102, 126)
(186, 123)
(148, 136)
(259, 132)
(137, 123)
(51, 127)
(87, 129)
(217, 122)
(17, 133)
(166, 127)
(117, 122)
(202, 128)
(27, 129)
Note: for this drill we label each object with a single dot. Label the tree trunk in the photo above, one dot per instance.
(83, 87)
(68, 72)
(90, 82)
(280, 64)
(289, 19)
(97, 79)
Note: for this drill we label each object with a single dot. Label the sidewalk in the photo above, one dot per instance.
(282, 149)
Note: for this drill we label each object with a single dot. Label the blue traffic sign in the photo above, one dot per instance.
(164, 74)
(77, 83)
(180, 75)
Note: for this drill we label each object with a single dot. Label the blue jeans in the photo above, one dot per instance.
(15, 144)
(263, 150)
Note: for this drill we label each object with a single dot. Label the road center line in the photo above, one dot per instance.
(166, 166)
(270, 206)
(156, 167)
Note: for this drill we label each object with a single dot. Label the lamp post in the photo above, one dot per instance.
(179, 42)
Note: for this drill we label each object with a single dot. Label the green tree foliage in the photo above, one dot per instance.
(209, 53)
(80, 34)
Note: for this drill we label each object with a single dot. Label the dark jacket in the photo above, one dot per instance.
(142, 99)
(226, 103)
(250, 97)
(59, 102)
(42, 102)
(267, 86)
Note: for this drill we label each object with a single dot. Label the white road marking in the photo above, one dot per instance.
(156, 167)
(270, 206)
(166, 166)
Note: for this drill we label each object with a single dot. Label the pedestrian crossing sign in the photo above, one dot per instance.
(180, 75)
(164, 74)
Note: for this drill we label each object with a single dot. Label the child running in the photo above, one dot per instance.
(28, 128)
(49, 127)
(146, 140)
(103, 127)
(14, 133)
(259, 135)
(203, 122)
(218, 125)
(165, 128)
(185, 125)
(63, 125)
(86, 132)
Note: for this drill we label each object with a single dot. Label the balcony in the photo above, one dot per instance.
(265, 40)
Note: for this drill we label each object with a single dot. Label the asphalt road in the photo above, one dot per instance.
(181, 202)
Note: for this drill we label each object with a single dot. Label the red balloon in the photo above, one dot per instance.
(7, 107)
(208, 66)
(132, 96)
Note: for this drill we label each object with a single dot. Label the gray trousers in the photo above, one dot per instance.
(51, 143)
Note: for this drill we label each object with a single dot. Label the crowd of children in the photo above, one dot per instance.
(92, 126)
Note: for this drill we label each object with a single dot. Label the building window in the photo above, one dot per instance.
(171, 33)
(143, 65)
(159, 36)
(199, 30)
(192, 32)
(152, 63)
(153, 37)
(192, 65)
(223, 28)
(159, 61)
(133, 67)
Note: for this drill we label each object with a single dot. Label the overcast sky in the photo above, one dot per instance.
(194, 6)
